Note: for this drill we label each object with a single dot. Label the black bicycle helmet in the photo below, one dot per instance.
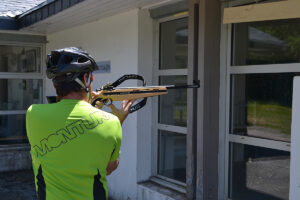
(69, 63)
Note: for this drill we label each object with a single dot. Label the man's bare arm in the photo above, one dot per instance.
(112, 166)
(123, 112)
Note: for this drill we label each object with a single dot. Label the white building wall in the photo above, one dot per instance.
(116, 39)
(145, 62)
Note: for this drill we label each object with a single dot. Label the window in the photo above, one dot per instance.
(260, 85)
(21, 84)
(171, 109)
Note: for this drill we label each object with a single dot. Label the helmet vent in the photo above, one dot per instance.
(54, 58)
(82, 59)
(66, 59)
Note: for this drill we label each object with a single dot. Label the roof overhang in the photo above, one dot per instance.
(36, 14)
(45, 10)
(8, 23)
(56, 15)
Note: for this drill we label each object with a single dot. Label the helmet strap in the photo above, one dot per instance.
(89, 88)
(86, 88)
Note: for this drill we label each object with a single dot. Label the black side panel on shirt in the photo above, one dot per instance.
(41, 191)
(99, 192)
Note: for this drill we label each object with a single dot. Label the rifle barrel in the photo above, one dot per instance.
(158, 86)
(134, 92)
(181, 86)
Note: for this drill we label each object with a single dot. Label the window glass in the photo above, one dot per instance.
(258, 173)
(12, 129)
(174, 44)
(19, 94)
(172, 155)
(262, 105)
(20, 59)
(172, 107)
(268, 42)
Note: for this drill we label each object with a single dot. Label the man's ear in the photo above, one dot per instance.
(85, 79)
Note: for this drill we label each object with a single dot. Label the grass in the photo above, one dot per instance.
(180, 117)
(270, 115)
(263, 114)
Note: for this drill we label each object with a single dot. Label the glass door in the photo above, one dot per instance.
(264, 59)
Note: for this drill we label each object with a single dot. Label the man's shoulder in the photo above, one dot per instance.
(39, 110)
(37, 107)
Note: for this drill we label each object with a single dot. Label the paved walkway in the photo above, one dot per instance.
(17, 185)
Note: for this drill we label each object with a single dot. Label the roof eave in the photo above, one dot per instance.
(44, 10)
(36, 14)
(8, 23)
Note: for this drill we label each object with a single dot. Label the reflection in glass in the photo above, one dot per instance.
(19, 94)
(19, 59)
(172, 107)
(258, 173)
(268, 42)
(261, 105)
(174, 44)
(12, 129)
(172, 155)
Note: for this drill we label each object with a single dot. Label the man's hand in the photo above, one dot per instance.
(94, 95)
(112, 166)
(121, 113)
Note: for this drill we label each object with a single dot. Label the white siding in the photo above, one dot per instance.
(145, 60)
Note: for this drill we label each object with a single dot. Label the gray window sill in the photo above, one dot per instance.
(14, 147)
(149, 189)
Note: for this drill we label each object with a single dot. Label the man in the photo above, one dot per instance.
(74, 145)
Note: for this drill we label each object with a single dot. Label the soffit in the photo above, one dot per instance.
(88, 11)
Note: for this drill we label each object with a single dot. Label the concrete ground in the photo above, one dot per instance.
(265, 180)
(17, 185)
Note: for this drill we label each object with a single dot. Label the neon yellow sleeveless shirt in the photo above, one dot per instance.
(71, 144)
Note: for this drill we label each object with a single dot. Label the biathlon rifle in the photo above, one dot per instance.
(111, 92)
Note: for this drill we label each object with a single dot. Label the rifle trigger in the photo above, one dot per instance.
(106, 101)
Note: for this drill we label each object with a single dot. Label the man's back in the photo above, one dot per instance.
(71, 146)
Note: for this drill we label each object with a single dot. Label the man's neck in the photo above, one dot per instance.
(76, 96)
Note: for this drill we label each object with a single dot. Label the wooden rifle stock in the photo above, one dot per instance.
(110, 92)
(127, 93)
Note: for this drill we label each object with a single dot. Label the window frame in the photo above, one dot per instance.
(227, 69)
(27, 76)
(162, 180)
